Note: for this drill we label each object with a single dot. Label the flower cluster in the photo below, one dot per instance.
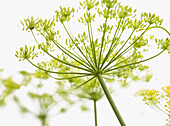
(64, 14)
(30, 23)
(151, 18)
(89, 4)
(163, 44)
(114, 51)
(26, 53)
(88, 17)
(166, 89)
(109, 3)
(150, 96)
(159, 100)
(140, 42)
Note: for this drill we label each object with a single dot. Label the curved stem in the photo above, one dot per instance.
(70, 54)
(125, 50)
(135, 62)
(69, 29)
(159, 108)
(127, 47)
(90, 65)
(54, 71)
(61, 61)
(115, 56)
(95, 111)
(107, 94)
(161, 28)
(119, 62)
(67, 52)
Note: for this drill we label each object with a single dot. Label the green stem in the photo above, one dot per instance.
(159, 107)
(134, 62)
(43, 121)
(88, 55)
(84, 83)
(115, 57)
(68, 53)
(92, 44)
(91, 40)
(67, 78)
(105, 89)
(77, 46)
(161, 28)
(120, 62)
(95, 112)
(112, 46)
(59, 60)
(54, 71)
(104, 33)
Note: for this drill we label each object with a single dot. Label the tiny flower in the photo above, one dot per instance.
(64, 14)
(30, 23)
(26, 53)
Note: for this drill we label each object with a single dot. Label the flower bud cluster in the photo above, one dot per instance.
(166, 89)
(160, 100)
(137, 24)
(109, 3)
(46, 46)
(30, 23)
(163, 44)
(26, 53)
(89, 4)
(107, 29)
(64, 14)
(124, 11)
(88, 17)
(149, 96)
(10, 84)
(46, 26)
(151, 18)
(140, 42)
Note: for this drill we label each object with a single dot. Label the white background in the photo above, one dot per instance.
(133, 110)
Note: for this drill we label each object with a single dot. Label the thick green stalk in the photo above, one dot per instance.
(43, 122)
(107, 94)
(95, 112)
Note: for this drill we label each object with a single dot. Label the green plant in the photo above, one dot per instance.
(157, 100)
(98, 54)
(9, 86)
(92, 92)
(43, 104)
